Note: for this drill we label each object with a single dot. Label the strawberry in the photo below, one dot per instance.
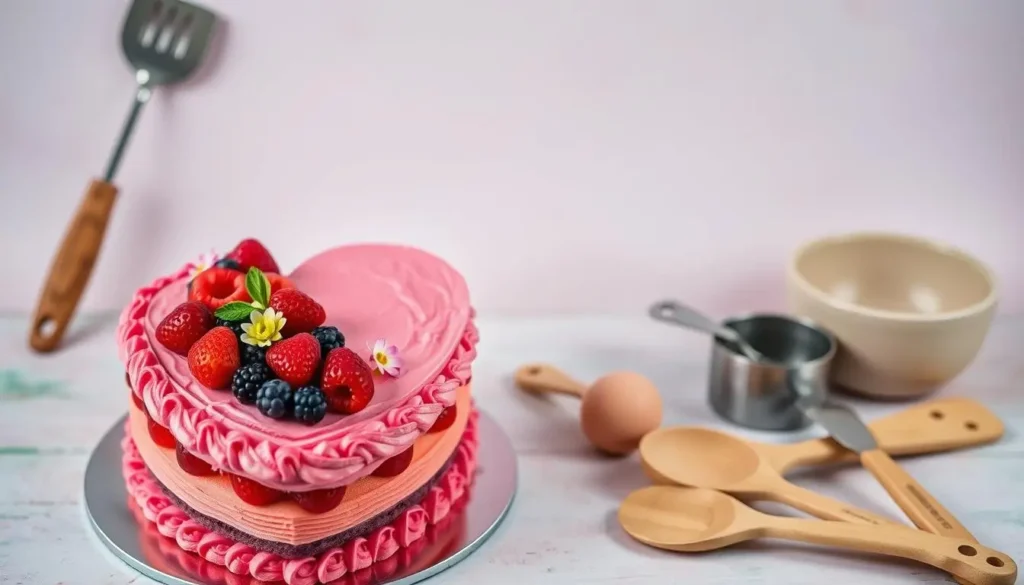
(254, 493)
(251, 252)
(444, 420)
(296, 359)
(395, 465)
(303, 314)
(347, 381)
(216, 287)
(278, 282)
(191, 464)
(160, 434)
(214, 358)
(184, 326)
(319, 501)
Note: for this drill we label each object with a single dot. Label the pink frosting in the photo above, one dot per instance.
(408, 529)
(412, 298)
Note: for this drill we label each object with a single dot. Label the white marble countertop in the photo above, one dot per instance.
(562, 528)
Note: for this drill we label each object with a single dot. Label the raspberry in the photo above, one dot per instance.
(248, 380)
(296, 359)
(329, 338)
(250, 252)
(444, 420)
(347, 381)
(191, 464)
(254, 493)
(303, 314)
(214, 358)
(274, 399)
(394, 465)
(216, 287)
(310, 405)
(278, 282)
(319, 501)
(184, 326)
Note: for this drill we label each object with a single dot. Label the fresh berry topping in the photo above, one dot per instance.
(160, 434)
(184, 326)
(214, 358)
(248, 380)
(278, 282)
(303, 314)
(395, 465)
(251, 252)
(444, 420)
(329, 338)
(191, 464)
(234, 326)
(216, 287)
(229, 263)
(274, 399)
(254, 493)
(347, 381)
(319, 501)
(253, 354)
(295, 360)
(138, 401)
(310, 405)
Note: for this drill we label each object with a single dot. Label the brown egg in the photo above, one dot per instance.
(618, 410)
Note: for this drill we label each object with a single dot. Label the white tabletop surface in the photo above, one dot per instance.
(562, 528)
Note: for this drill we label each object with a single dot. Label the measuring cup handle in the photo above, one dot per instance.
(678, 314)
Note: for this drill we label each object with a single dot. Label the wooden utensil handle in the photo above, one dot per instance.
(929, 427)
(72, 266)
(970, 561)
(547, 378)
(920, 506)
(825, 507)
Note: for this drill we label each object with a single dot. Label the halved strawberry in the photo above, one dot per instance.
(444, 420)
(216, 287)
(254, 493)
(319, 501)
(214, 358)
(250, 252)
(184, 326)
(296, 359)
(301, 312)
(394, 465)
(160, 434)
(191, 464)
(347, 381)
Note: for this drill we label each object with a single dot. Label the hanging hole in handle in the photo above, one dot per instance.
(971, 426)
(46, 327)
(937, 414)
(967, 550)
(534, 371)
(995, 561)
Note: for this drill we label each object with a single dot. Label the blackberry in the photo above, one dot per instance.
(248, 380)
(310, 405)
(329, 338)
(235, 326)
(274, 399)
(228, 263)
(253, 354)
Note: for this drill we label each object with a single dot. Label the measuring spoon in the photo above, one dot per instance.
(706, 458)
(693, 520)
(679, 314)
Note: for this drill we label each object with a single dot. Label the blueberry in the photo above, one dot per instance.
(228, 263)
(310, 405)
(329, 338)
(274, 399)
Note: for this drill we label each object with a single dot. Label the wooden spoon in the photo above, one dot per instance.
(691, 520)
(706, 458)
(616, 411)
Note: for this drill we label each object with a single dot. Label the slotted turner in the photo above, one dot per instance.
(164, 40)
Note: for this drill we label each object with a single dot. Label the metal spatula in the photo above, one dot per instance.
(164, 40)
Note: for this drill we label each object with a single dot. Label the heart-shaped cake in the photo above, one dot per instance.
(370, 292)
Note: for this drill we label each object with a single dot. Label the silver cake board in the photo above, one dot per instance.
(157, 557)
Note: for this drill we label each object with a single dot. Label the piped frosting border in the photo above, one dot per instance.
(357, 554)
(338, 459)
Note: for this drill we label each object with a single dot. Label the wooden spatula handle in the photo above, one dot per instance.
(547, 378)
(72, 266)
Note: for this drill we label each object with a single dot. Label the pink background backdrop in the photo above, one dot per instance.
(569, 156)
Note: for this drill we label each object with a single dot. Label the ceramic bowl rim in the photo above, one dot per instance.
(919, 242)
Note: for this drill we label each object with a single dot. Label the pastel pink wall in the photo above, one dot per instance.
(567, 156)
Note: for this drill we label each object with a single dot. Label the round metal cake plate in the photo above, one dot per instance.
(491, 497)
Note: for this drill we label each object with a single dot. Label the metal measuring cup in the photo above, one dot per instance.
(763, 394)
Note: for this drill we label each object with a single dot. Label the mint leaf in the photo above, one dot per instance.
(234, 311)
(258, 286)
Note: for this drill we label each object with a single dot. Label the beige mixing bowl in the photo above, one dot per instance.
(910, 314)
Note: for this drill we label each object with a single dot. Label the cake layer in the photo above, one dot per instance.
(356, 555)
(285, 522)
(411, 298)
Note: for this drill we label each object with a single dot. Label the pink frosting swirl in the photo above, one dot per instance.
(407, 533)
(337, 457)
